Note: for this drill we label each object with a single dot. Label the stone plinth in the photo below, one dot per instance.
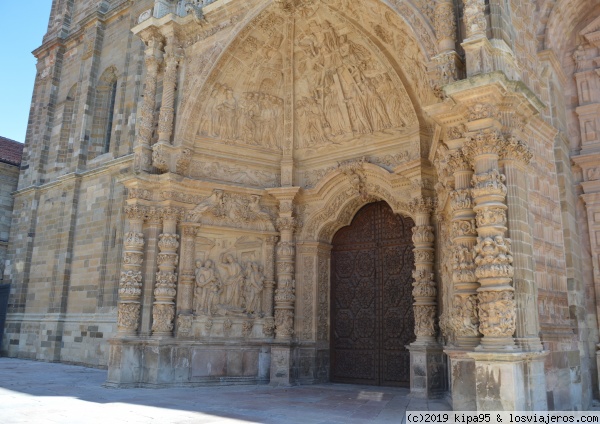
(462, 380)
(427, 371)
(281, 365)
(510, 381)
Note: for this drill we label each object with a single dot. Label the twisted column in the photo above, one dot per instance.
(424, 286)
(465, 319)
(166, 117)
(130, 283)
(186, 282)
(497, 311)
(163, 310)
(143, 152)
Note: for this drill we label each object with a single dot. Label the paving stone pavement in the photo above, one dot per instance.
(41, 392)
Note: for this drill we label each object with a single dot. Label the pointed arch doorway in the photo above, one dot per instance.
(371, 298)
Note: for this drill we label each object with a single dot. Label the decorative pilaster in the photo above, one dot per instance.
(424, 286)
(130, 283)
(465, 319)
(142, 149)
(185, 288)
(163, 310)
(497, 312)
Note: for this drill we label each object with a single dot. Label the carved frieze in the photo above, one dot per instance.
(232, 210)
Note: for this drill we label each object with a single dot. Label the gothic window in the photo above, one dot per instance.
(104, 108)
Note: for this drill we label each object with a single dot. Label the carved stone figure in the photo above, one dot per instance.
(254, 287)
(208, 287)
(233, 283)
(213, 204)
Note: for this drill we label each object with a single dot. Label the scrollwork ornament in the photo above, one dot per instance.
(464, 228)
(130, 284)
(423, 234)
(461, 199)
(491, 216)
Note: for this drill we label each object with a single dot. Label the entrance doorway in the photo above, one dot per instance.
(371, 294)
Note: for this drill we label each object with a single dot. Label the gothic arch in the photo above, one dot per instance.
(340, 195)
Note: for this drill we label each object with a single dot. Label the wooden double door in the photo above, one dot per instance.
(371, 294)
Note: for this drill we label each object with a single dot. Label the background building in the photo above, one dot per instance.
(293, 191)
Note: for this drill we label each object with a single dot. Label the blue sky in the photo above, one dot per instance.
(21, 32)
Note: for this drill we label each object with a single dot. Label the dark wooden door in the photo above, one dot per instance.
(371, 293)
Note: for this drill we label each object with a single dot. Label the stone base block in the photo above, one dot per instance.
(462, 380)
(427, 371)
(163, 363)
(282, 365)
(510, 381)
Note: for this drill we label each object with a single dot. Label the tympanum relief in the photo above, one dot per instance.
(345, 91)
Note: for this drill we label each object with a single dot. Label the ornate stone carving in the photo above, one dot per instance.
(162, 318)
(465, 319)
(425, 320)
(464, 228)
(489, 184)
(482, 111)
(128, 316)
(423, 234)
(184, 325)
(354, 170)
(495, 216)
(183, 161)
(516, 150)
(498, 314)
(444, 22)
(247, 328)
(230, 289)
(284, 323)
(421, 205)
(160, 158)
(493, 257)
(474, 17)
(224, 209)
(461, 200)
(130, 283)
(219, 171)
(463, 265)
(323, 299)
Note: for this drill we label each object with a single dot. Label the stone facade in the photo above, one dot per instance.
(188, 164)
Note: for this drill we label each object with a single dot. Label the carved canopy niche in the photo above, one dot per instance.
(320, 77)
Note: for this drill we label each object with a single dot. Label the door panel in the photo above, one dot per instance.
(372, 317)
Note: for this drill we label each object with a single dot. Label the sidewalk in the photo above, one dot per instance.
(39, 392)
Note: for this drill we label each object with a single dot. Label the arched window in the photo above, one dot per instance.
(104, 108)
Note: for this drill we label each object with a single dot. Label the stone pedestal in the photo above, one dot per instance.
(427, 371)
(281, 365)
(510, 381)
(462, 380)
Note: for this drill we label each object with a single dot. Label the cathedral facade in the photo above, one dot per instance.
(386, 192)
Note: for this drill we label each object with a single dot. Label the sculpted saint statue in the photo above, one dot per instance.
(208, 288)
(254, 286)
(234, 282)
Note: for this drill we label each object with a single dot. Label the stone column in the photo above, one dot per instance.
(497, 312)
(165, 121)
(152, 230)
(464, 318)
(516, 156)
(185, 289)
(285, 297)
(163, 310)
(142, 149)
(426, 357)
(269, 286)
(130, 283)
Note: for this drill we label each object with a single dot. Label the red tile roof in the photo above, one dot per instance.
(10, 151)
